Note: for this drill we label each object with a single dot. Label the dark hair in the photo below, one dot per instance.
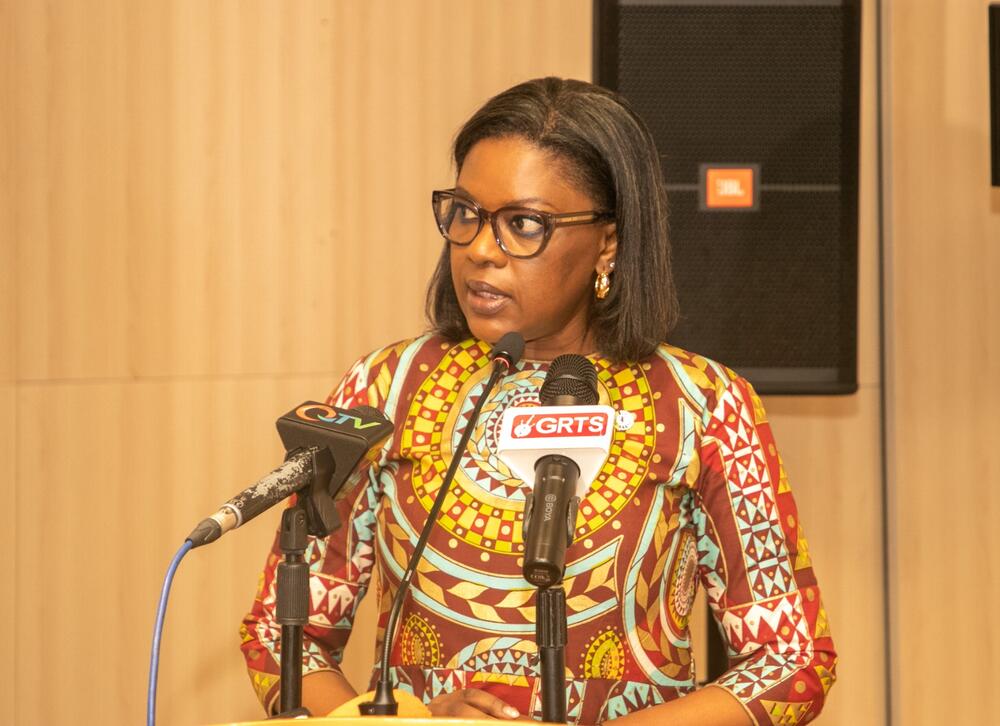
(611, 155)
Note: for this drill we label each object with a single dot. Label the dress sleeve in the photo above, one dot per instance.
(755, 566)
(340, 570)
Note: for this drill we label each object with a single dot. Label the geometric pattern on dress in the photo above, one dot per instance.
(826, 677)
(454, 592)
(784, 713)
(353, 383)
(802, 559)
(604, 656)
(508, 660)
(683, 583)
(574, 701)
(626, 389)
(331, 602)
(630, 696)
(754, 676)
(755, 510)
(710, 560)
(466, 591)
(780, 622)
(419, 642)
(430, 682)
(361, 558)
(662, 657)
(486, 506)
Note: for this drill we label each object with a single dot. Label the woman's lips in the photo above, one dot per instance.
(484, 299)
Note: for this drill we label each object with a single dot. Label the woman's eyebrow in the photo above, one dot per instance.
(509, 203)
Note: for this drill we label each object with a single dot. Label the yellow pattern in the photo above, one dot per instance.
(516, 599)
(378, 391)
(783, 712)
(783, 485)
(262, 683)
(802, 558)
(509, 680)
(485, 612)
(826, 678)
(467, 590)
(605, 657)
(759, 415)
(430, 588)
(822, 624)
(419, 643)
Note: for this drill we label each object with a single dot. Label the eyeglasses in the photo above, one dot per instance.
(519, 231)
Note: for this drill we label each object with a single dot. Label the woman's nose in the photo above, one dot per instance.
(483, 249)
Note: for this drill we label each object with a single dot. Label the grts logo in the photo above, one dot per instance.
(545, 426)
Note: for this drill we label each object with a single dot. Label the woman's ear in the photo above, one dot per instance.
(609, 249)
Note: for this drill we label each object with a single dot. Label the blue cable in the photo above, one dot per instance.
(161, 612)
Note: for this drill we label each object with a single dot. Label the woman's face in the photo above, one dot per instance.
(545, 298)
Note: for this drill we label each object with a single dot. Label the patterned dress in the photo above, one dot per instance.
(692, 494)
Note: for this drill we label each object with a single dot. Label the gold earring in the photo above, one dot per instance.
(602, 285)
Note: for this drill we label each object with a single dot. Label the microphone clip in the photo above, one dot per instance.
(317, 499)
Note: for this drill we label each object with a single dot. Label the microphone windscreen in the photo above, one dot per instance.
(570, 376)
(509, 349)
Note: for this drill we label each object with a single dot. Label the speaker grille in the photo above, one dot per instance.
(771, 292)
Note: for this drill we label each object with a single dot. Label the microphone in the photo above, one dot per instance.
(505, 355)
(561, 446)
(507, 351)
(323, 444)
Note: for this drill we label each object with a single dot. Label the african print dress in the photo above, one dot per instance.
(693, 494)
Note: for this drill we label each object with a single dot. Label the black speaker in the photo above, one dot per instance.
(995, 90)
(754, 108)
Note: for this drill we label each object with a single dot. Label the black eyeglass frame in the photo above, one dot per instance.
(550, 221)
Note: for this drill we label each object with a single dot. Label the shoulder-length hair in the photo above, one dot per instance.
(611, 154)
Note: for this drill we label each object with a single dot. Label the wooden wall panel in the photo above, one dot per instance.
(8, 427)
(8, 256)
(944, 365)
(70, 190)
(270, 161)
(9, 492)
(118, 475)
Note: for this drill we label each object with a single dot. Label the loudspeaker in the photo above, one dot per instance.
(754, 108)
(995, 90)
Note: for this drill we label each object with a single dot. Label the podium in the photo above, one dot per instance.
(369, 721)
(412, 712)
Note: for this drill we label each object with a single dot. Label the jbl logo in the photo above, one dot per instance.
(729, 187)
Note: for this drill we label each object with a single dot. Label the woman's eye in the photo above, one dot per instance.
(527, 225)
(465, 213)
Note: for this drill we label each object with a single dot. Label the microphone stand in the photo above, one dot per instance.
(550, 635)
(313, 513)
(550, 612)
(384, 703)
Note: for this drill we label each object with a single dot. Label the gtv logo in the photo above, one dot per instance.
(320, 413)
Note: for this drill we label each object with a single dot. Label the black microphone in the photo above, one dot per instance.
(507, 351)
(550, 512)
(323, 444)
(505, 355)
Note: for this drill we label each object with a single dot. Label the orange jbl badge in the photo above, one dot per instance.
(730, 187)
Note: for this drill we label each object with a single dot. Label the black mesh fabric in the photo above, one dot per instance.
(774, 85)
(573, 376)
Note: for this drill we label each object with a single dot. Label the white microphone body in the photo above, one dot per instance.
(560, 450)
(581, 433)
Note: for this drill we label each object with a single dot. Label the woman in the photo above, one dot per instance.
(556, 228)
